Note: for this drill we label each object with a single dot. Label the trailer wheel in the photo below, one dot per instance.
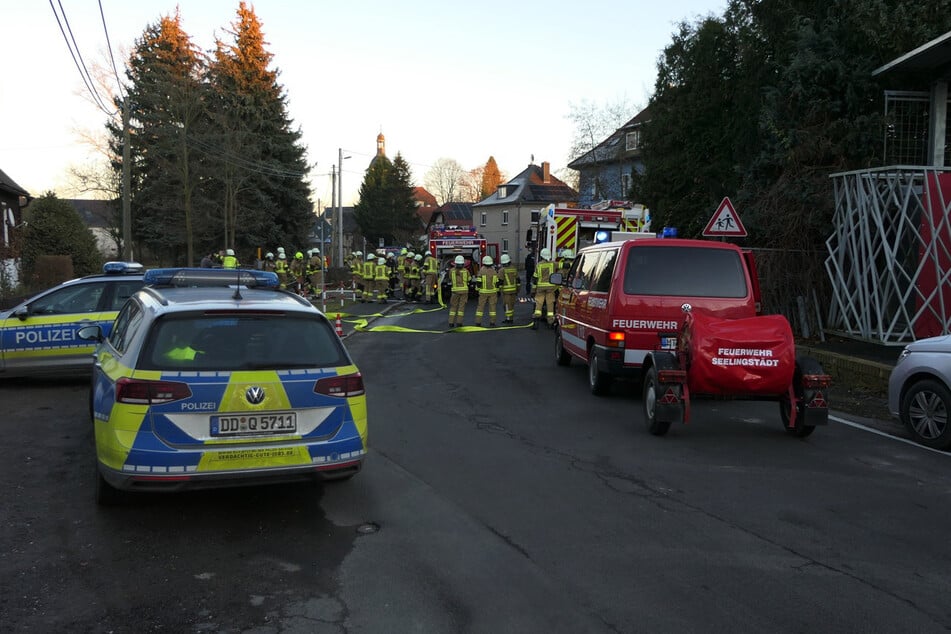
(561, 355)
(599, 382)
(651, 393)
(804, 365)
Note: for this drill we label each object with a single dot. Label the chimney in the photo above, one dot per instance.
(546, 172)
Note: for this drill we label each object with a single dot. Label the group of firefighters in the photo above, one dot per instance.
(378, 276)
(299, 274)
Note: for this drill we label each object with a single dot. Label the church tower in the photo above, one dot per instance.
(380, 145)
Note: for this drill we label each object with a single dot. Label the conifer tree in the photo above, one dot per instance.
(387, 208)
(165, 98)
(260, 192)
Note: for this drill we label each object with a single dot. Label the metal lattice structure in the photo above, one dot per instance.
(906, 127)
(885, 235)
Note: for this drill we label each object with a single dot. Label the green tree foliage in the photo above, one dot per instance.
(260, 165)
(165, 98)
(54, 227)
(216, 160)
(387, 208)
(765, 102)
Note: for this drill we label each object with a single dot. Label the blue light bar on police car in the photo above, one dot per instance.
(212, 277)
(120, 268)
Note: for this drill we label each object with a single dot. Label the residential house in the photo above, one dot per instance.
(451, 214)
(100, 216)
(13, 199)
(425, 205)
(508, 219)
(606, 171)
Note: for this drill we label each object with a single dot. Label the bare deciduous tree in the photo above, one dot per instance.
(595, 122)
(444, 180)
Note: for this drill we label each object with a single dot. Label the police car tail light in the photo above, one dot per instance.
(139, 392)
(615, 339)
(342, 386)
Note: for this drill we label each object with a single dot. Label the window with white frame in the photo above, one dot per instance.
(505, 217)
(482, 219)
(625, 184)
(633, 140)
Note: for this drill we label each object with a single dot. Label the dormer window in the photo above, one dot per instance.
(503, 191)
(632, 140)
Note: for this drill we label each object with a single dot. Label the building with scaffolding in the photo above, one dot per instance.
(889, 256)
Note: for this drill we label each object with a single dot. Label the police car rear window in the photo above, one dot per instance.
(254, 342)
(684, 271)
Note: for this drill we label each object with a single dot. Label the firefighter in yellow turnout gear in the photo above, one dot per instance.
(544, 289)
(510, 282)
(488, 283)
(459, 278)
(369, 278)
(280, 267)
(381, 279)
(430, 271)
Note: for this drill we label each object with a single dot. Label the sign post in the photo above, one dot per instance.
(725, 222)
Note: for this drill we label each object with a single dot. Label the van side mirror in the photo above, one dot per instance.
(556, 279)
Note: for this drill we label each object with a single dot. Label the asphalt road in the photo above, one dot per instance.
(499, 496)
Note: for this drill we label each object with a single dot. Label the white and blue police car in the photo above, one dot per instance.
(217, 377)
(38, 336)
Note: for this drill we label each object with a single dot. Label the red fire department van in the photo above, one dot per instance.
(622, 300)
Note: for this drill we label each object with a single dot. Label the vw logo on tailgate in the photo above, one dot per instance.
(254, 394)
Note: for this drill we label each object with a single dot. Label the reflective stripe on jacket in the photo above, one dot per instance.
(544, 271)
(509, 279)
(460, 280)
(488, 281)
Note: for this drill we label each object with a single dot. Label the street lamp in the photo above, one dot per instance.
(340, 158)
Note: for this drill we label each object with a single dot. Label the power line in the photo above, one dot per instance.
(78, 59)
(112, 57)
(239, 161)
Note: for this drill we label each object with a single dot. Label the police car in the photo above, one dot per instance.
(38, 336)
(216, 377)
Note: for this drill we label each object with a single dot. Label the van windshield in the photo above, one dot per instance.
(684, 271)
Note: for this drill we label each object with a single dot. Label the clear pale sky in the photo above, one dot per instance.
(440, 79)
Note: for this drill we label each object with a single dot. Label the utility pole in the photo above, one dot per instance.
(340, 203)
(126, 185)
(333, 207)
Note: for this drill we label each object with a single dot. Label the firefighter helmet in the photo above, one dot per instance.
(269, 256)
(545, 254)
(281, 256)
(487, 260)
(418, 257)
(229, 252)
(298, 256)
(459, 261)
(403, 251)
(358, 254)
(568, 254)
(505, 259)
